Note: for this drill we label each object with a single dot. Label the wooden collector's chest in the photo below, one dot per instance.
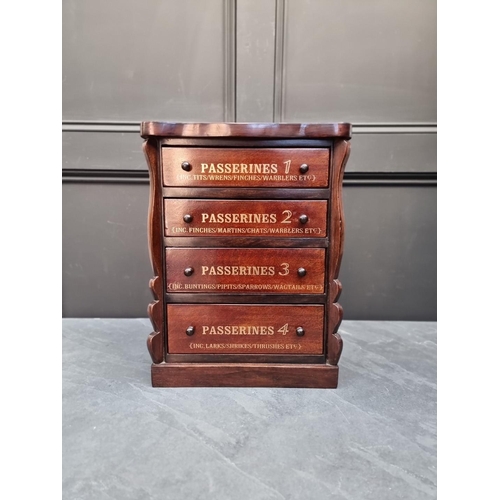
(245, 236)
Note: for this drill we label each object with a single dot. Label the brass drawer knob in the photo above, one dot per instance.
(190, 331)
(186, 166)
(188, 271)
(188, 218)
(303, 219)
(300, 331)
(304, 168)
(301, 272)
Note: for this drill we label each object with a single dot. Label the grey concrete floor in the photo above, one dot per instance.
(372, 438)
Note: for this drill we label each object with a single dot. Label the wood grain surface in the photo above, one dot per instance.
(246, 167)
(246, 232)
(262, 218)
(249, 130)
(244, 375)
(245, 270)
(245, 329)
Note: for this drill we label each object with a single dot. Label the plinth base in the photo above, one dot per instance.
(244, 375)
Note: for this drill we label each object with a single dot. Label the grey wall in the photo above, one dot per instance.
(368, 62)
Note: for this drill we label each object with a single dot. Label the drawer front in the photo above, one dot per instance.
(206, 167)
(290, 219)
(245, 270)
(245, 329)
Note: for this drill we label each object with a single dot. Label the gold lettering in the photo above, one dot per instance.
(239, 346)
(239, 270)
(240, 168)
(228, 218)
(237, 330)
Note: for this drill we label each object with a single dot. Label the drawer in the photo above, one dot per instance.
(245, 329)
(283, 167)
(245, 270)
(290, 219)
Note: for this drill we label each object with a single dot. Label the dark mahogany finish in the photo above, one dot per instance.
(245, 237)
(262, 218)
(247, 130)
(245, 167)
(248, 270)
(245, 329)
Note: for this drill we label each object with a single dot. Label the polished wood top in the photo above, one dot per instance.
(252, 130)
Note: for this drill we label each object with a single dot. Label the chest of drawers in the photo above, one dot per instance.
(245, 237)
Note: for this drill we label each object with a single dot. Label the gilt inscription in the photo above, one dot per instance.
(290, 218)
(299, 167)
(251, 329)
(286, 270)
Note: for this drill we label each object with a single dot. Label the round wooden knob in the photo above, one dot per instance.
(303, 219)
(300, 331)
(188, 271)
(190, 330)
(304, 168)
(188, 218)
(301, 272)
(186, 166)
